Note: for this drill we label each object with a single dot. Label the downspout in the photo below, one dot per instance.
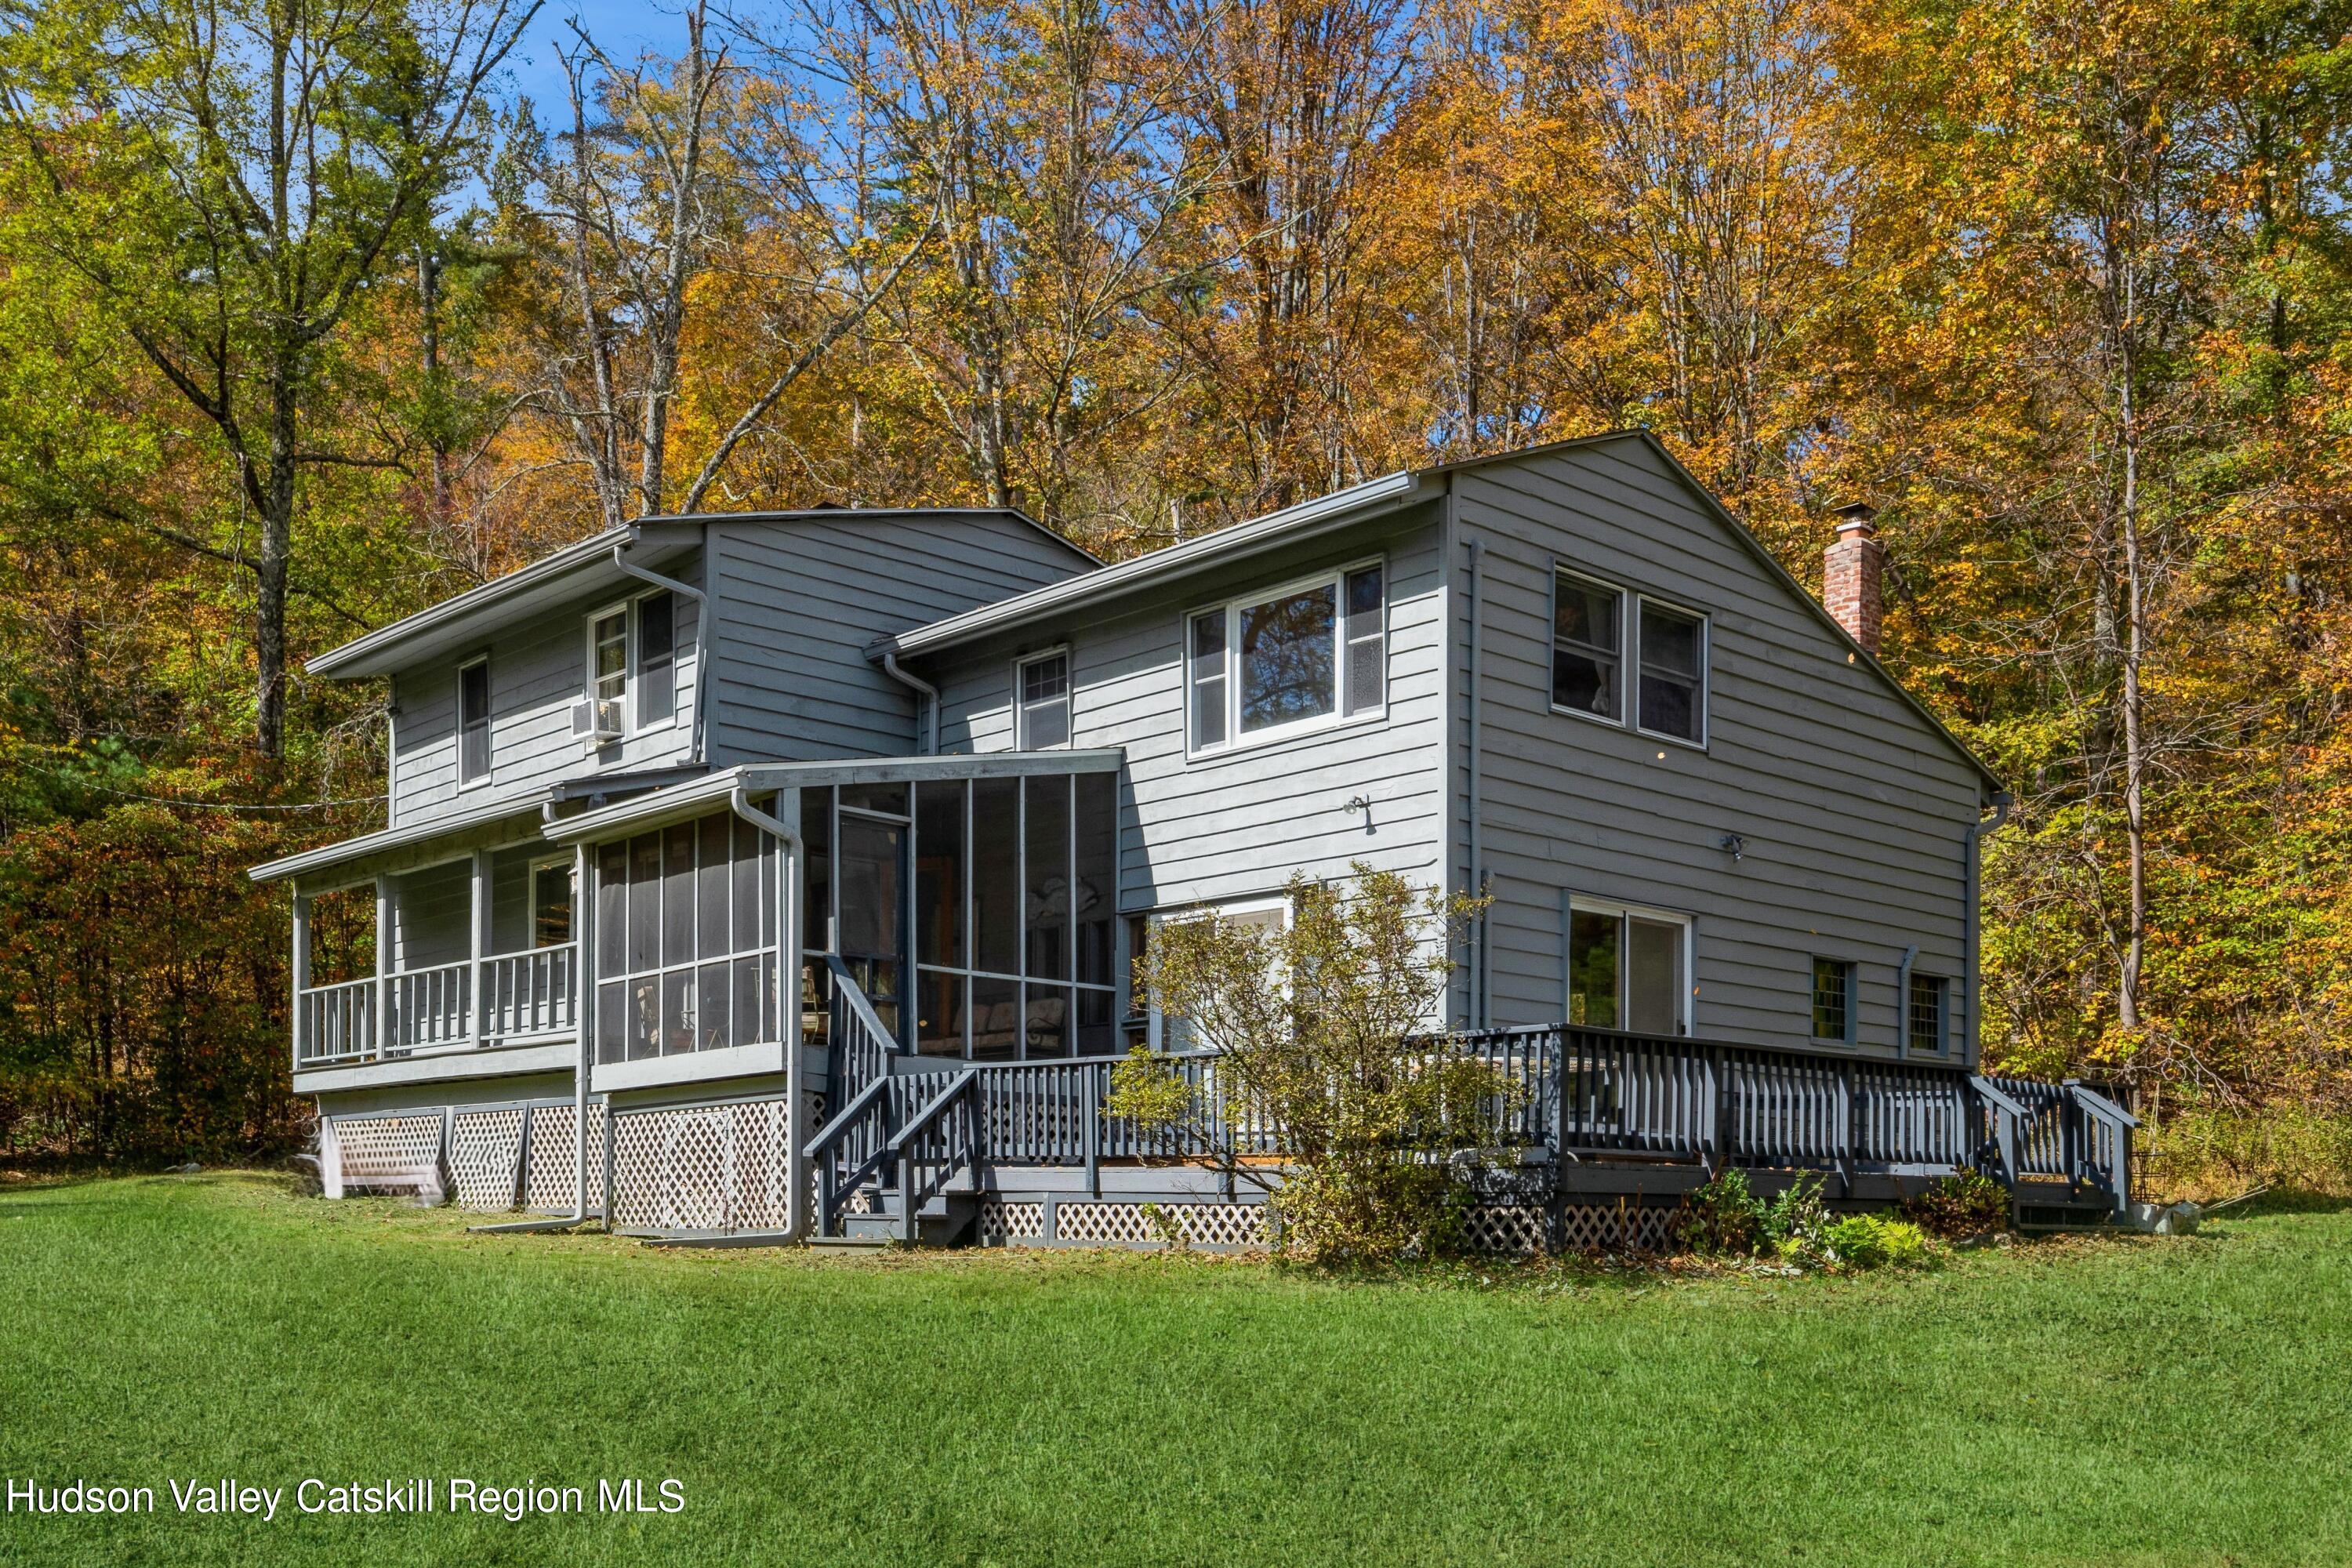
(927, 700)
(701, 631)
(1903, 1002)
(1977, 831)
(789, 856)
(1481, 997)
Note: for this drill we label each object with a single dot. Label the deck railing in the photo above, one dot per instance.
(1578, 1093)
(415, 1012)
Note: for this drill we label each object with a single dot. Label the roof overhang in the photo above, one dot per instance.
(349, 856)
(684, 802)
(583, 570)
(1272, 531)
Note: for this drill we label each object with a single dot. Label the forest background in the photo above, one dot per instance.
(314, 311)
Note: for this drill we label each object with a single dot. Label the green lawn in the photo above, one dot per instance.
(2130, 1401)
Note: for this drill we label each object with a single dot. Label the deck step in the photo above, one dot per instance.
(851, 1243)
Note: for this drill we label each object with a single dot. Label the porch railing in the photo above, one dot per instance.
(421, 1011)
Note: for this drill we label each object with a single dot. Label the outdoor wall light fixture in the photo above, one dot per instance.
(1736, 845)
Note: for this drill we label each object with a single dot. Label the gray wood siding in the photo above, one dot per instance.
(538, 670)
(1236, 825)
(800, 602)
(1853, 809)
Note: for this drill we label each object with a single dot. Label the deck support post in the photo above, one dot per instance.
(1090, 1108)
(1051, 1223)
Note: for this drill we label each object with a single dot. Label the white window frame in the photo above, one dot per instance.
(1632, 666)
(632, 643)
(1334, 578)
(490, 725)
(1579, 904)
(1155, 1025)
(1625, 596)
(1020, 707)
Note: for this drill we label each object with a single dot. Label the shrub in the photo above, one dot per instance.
(1722, 1218)
(1968, 1204)
(1862, 1241)
(1795, 1215)
(1320, 1029)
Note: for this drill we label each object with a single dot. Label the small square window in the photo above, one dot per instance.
(1832, 999)
(1046, 702)
(1923, 1014)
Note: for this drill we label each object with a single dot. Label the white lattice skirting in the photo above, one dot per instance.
(702, 1168)
(1511, 1229)
(493, 1159)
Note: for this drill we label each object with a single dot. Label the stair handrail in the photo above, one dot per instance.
(933, 1108)
(858, 1004)
(2011, 1114)
(912, 1198)
(2120, 1123)
(850, 1114)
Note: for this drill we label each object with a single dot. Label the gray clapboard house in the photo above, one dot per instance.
(780, 875)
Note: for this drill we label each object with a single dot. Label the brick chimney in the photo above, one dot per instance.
(1850, 570)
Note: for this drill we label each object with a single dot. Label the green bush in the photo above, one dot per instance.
(1795, 1216)
(1722, 1218)
(1860, 1241)
(1968, 1204)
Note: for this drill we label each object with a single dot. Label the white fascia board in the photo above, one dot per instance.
(1304, 521)
(680, 802)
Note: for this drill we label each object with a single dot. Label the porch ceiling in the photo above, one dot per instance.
(356, 859)
(683, 800)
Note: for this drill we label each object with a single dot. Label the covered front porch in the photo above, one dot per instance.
(409, 946)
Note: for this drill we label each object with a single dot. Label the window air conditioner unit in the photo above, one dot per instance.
(596, 718)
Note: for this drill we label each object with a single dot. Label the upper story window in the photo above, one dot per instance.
(474, 722)
(1312, 652)
(1044, 704)
(633, 659)
(1586, 619)
(1592, 624)
(1674, 673)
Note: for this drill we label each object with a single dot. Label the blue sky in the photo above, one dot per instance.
(623, 29)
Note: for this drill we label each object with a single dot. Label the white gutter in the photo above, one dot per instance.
(1293, 523)
(701, 626)
(385, 838)
(424, 620)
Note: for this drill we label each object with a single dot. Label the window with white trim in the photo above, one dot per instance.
(474, 721)
(633, 659)
(1628, 968)
(1044, 702)
(1268, 917)
(1312, 652)
(1673, 695)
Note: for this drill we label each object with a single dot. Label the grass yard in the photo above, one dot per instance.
(2117, 1402)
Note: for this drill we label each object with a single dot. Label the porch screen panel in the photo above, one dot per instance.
(692, 967)
(941, 988)
(1094, 898)
(996, 875)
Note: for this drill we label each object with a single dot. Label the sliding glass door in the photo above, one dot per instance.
(1627, 968)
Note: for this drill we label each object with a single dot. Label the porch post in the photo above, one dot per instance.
(300, 977)
(383, 1035)
(798, 1124)
(476, 1011)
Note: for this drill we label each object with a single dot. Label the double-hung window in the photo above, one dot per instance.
(1673, 701)
(1628, 968)
(1043, 684)
(633, 659)
(474, 722)
(1833, 1001)
(1310, 653)
(1924, 1026)
(1616, 653)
